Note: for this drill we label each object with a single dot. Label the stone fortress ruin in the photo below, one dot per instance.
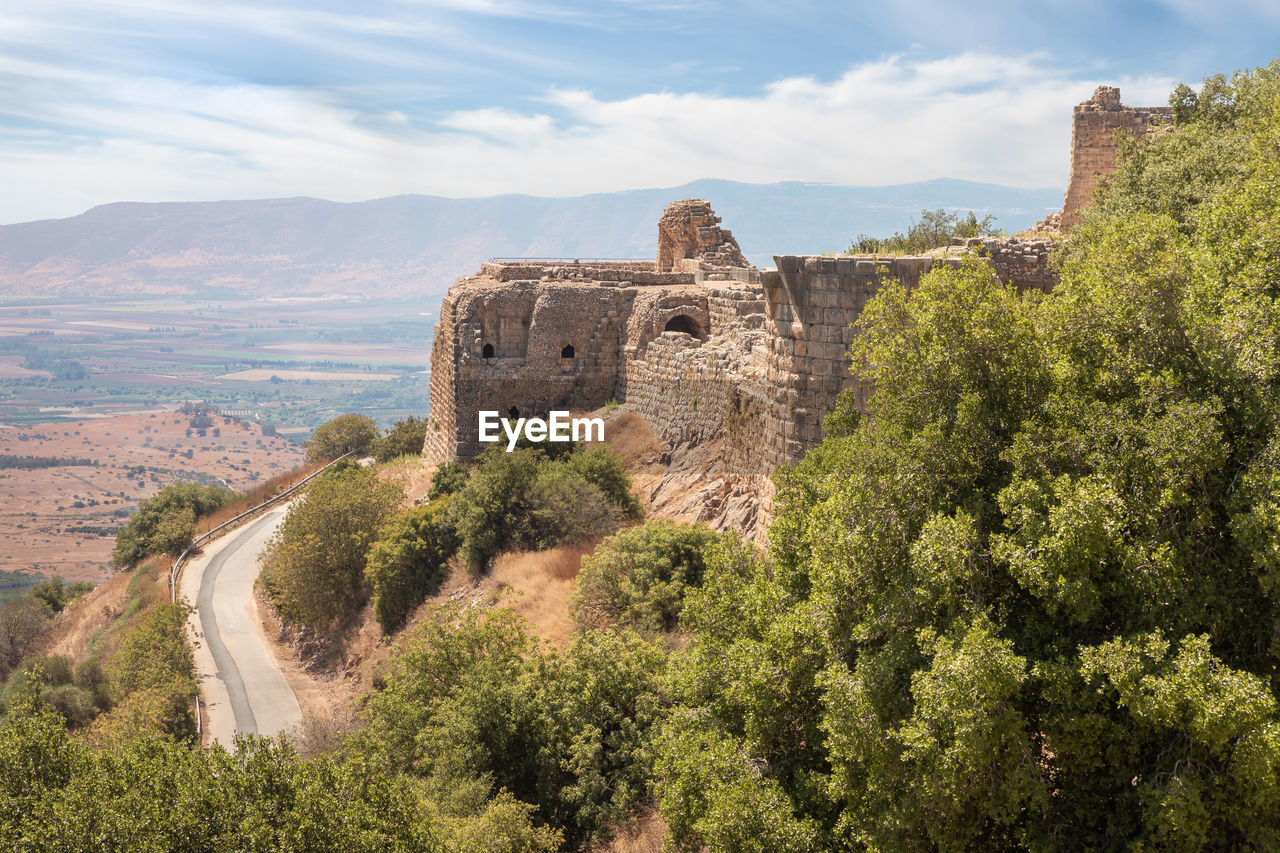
(702, 345)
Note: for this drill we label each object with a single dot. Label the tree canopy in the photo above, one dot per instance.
(1028, 600)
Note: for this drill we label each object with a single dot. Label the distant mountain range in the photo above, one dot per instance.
(414, 245)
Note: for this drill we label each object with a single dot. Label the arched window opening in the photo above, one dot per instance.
(684, 324)
(567, 352)
(487, 352)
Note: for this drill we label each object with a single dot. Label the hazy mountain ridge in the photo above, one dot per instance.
(414, 245)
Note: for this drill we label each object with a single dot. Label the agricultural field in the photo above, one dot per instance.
(95, 402)
(292, 364)
(65, 487)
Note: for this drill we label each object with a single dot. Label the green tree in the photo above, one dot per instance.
(409, 561)
(174, 533)
(344, 434)
(934, 229)
(57, 593)
(24, 622)
(169, 509)
(315, 572)
(1027, 602)
(405, 438)
(639, 576)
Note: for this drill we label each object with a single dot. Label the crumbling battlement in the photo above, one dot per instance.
(752, 360)
(699, 343)
(690, 237)
(1095, 125)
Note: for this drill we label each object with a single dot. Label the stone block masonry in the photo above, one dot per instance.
(752, 360)
(1095, 125)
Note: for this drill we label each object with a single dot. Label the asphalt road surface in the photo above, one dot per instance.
(242, 686)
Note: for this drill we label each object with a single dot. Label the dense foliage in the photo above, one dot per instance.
(1029, 601)
(639, 576)
(471, 700)
(165, 522)
(524, 499)
(315, 572)
(405, 438)
(409, 560)
(344, 434)
(148, 793)
(934, 228)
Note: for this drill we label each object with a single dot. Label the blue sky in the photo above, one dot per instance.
(155, 100)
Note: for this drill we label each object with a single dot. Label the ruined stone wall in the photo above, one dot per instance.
(554, 346)
(442, 427)
(1094, 126)
(811, 304)
(692, 389)
(689, 231)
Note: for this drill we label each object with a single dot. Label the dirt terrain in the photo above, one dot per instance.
(58, 519)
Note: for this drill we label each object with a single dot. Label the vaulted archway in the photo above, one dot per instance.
(684, 324)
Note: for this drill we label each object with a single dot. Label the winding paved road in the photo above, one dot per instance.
(241, 683)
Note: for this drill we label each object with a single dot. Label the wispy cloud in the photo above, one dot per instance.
(975, 116)
(104, 100)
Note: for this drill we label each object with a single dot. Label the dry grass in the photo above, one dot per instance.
(93, 627)
(644, 835)
(412, 473)
(630, 437)
(538, 585)
(259, 493)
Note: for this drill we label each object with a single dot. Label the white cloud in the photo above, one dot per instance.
(972, 115)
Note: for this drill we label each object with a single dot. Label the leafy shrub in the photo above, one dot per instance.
(409, 561)
(639, 576)
(599, 467)
(469, 698)
(448, 479)
(75, 704)
(565, 509)
(161, 521)
(523, 499)
(315, 572)
(405, 438)
(57, 593)
(343, 434)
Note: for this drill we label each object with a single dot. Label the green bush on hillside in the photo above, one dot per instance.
(450, 477)
(315, 571)
(409, 561)
(161, 521)
(639, 576)
(524, 499)
(59, 594)
(471, 700)
(344, 434)
(405, 438)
